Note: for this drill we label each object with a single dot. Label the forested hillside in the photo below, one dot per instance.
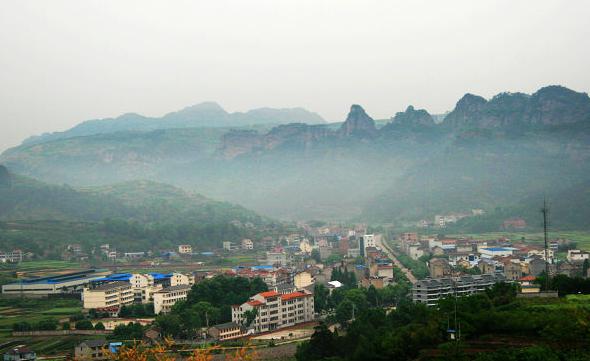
(485, 154)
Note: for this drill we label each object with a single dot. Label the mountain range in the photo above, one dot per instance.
(207, 114)
(502, 152)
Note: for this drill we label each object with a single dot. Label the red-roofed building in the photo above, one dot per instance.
(274, 310)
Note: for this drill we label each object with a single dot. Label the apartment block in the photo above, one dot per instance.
(275, 310)
(431, 290)
(166, 298)
(185, 249)
(114, 294)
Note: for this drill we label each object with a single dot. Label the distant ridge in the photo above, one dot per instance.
(486, 153)
(207, 114)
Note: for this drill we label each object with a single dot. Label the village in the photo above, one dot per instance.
(292, 268)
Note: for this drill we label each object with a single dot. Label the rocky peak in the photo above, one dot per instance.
(358, 123)
(554, 105)
(413, 117)
(549, 106)
(466, 112)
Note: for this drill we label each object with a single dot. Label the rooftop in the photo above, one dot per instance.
(111, 286)
(227, 325)
(66, 277)
(175, 288)
(290, 296)
(269, 294)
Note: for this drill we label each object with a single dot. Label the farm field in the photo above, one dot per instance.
(13, 310)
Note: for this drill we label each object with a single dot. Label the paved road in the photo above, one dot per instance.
(385, 247)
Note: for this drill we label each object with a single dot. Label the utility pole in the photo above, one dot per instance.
(545, 212)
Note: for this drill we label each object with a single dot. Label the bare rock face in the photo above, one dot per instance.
(297, 134)
(358, 124)
(237, 142)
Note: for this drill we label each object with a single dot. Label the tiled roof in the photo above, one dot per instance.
(269, 294)
(527, 278)
(254, 303)
(290, 296)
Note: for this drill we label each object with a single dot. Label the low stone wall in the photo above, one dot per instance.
(550, 294)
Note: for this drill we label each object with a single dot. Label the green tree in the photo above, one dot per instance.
(99, 326)
(47, 325)
(344, 312)
(84, 325)
(315, 254)
(320, 297)
(250, 316)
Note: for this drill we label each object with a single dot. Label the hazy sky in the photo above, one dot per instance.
(62, 62)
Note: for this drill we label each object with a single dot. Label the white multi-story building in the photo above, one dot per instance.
(431, 290)
(185, 249)
(166, 298)
(178, 279)
(369, 240)
(143, 287)
(247, 244)
(541, 253)
(114, 294)
(576, 255)
(274, 310)
(139, 280)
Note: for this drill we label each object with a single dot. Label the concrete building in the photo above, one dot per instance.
(275, 310)
(13, 256)
(415, 251)
(536, 266)
(139, 280)
(429, 291)
(177, 279)
(576, 255)
(303, 279)
(166, 298)
(369, 240)
(108, 295)
(439, 267)
(512, 271)
(20, 353)
(276, 258)
(227, 246)
(247, 244)
(491, 252)
(226, 331)
(185, 249)
(91, 350)
(72, 282)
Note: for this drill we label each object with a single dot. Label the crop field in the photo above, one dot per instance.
(13, 310)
